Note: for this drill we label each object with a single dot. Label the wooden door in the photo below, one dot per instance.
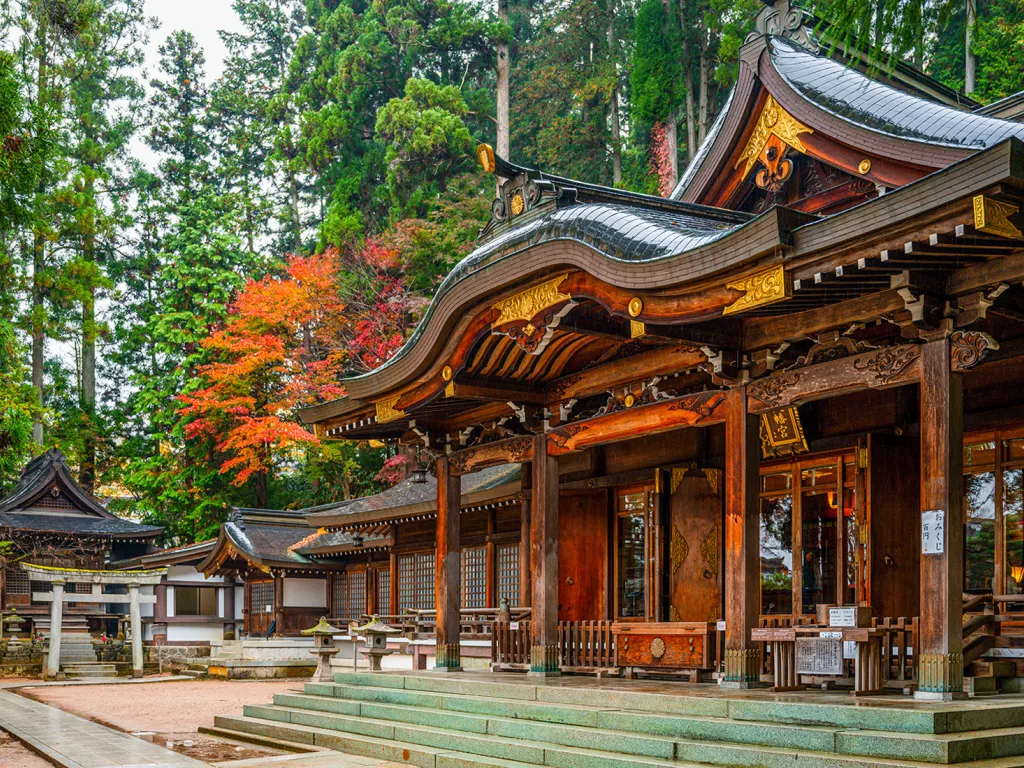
(583, 556)
(695, 545)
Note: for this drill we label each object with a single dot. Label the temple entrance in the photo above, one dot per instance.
(583, 537)
(695, 546)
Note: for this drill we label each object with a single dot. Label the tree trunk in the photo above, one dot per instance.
(972, 18)
(702, 107)
(672, 120)
(691, 123)
(87, 395)
(38, 238)
(293, 189)
(614, 111)
(503, 70)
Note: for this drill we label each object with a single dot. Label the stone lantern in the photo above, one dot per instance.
(16, 650)
(323, 646)
(376, 635)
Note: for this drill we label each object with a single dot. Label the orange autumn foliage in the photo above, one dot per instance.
(278, 351)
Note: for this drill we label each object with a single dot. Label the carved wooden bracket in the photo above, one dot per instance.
(968, 349)
(511, 451)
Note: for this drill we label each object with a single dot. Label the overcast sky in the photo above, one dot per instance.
(203, 18)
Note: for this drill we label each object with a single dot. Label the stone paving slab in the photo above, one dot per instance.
(74, 742)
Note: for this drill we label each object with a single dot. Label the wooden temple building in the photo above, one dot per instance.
(795, 384)
(50, 521)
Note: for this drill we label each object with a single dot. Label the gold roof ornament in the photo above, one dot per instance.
(773, 121)
(386, 410)
(485, 154)
(760, 288)
(322, 628)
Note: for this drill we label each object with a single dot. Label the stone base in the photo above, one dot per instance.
(541, 674)
(136, 673)
(446, 669)
(940, 696)
(742, 685)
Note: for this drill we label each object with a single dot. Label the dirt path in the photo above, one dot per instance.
(14, 755)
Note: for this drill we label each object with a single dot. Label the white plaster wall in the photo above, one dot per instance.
(177, 633)
(189, 573)
(170, 601)
(239, 601)
(305, 593)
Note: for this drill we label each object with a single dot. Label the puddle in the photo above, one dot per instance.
(206, 748)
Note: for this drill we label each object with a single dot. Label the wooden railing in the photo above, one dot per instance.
(474, 623)
(583, 645)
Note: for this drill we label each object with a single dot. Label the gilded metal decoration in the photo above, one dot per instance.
(657, 648)
(678, 549)
(449, 389)
(773, 121)
(994, 217)
(771, 390)
(526, 305)
(386, 410)
(714, 477)
(782, 434)
(636, 329)
(649, 393)
(529, 317)
(485, 154)
(759, 289)
(678, 473)
(629, 400)
(673, 614)
(864, 166)
(447, 373)
(967, 349)
(517, 204)
(635, 306)
(887, 364)
(709, 550)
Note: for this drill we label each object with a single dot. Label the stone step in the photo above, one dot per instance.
(576, 705)
(434, 747)
(644, 734)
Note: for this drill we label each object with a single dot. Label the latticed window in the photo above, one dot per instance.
(383, 590)
(350, 594)
(416, 581)
(261, 597)
(508, 573)
(16, 582)
(474, 577)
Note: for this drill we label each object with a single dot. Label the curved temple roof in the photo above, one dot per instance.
(856, 98)
(619, 232)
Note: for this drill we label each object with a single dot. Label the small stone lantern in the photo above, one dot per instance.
(323, 646)
(16, 650)
(376, 636)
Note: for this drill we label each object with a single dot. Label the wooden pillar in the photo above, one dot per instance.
(279, 602)
(447, 581)
(525, 534)
(135, 617)
(742, 542)
(160, 612)
(941, 670)
(544, 655)
(56, 616)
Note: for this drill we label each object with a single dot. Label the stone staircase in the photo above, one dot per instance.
(445, 721)
(95, 670)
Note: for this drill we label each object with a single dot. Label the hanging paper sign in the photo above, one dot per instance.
(850, 649)
(933, 532)
(513, 625)
(819, 656)
(720, 626)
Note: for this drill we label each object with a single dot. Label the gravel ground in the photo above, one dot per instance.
(175, 707)
(14, 755)
(167, 714)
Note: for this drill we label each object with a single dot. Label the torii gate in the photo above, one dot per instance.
(61, 576)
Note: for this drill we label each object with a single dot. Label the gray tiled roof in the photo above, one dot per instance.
(77, 524)
(856, 98)
(268, 542)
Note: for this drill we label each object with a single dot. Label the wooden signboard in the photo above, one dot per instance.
(819, 656)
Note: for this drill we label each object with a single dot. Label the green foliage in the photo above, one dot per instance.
(656, 78)
(17, 406)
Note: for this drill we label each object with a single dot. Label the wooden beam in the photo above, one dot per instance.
(512, 450)
(447, 583)
(702, 409)
(477, 389)
(625, 370)
(877, 369)
(940, 665)
(742, 541)
(760, 332)
(544, 654)
(1008, 269)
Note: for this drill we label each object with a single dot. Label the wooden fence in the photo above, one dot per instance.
(582, 644)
